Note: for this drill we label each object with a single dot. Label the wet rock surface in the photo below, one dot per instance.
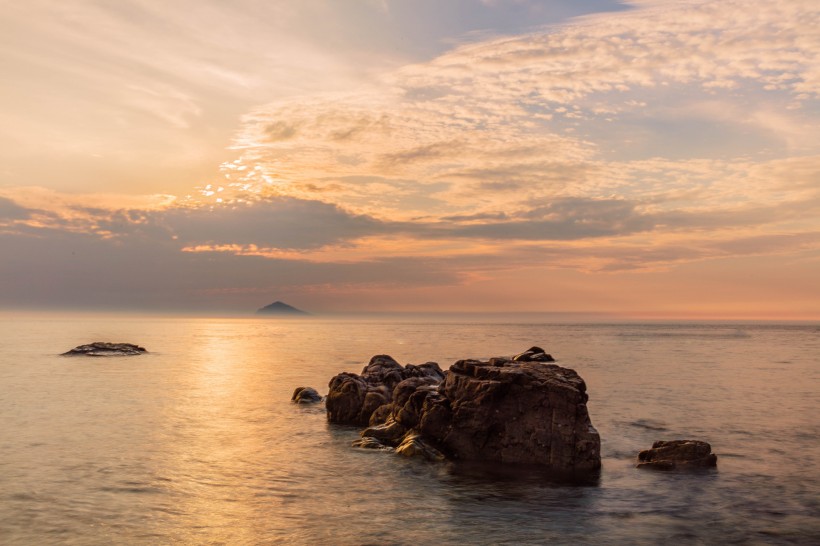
(371, 443)
(674, 454)
(415, 445)
(352, 399)
(306, 395)
(534, 354)
(101, 348)
(519, 409)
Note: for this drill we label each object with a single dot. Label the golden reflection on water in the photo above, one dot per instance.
(220, 416)
(197, 442)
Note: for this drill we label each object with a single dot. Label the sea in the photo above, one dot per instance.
(197, 441)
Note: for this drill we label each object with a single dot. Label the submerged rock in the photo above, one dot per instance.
(390, 432)
(101, 348)
(306, 395)
(371, 443)
(518, 410)
(414, 445)
(669, 455)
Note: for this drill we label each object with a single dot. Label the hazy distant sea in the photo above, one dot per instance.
(197, 442)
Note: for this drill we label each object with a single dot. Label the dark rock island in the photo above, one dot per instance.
(520, 410)
(101, 348)
(281, 308)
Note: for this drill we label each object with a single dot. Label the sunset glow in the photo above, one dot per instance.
(649, 158)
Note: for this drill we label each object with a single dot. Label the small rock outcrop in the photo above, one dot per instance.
(534, 354)
(306, 395)
(101, 348)
(670, 455)
(519, 410)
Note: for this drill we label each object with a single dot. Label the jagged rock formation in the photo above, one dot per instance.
(507, 410)
(101, 348)
(353, 399)
(280, 308)
(669, 455)
(516, 412)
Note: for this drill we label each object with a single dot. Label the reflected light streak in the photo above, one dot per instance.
(222, 424)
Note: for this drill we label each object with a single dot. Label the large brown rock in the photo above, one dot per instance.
(669, 455)
(520, 410)
(511, 411)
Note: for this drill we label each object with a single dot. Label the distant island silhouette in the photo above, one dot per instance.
(280, 308)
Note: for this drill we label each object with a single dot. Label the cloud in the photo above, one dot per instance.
(672, 133)
(279, 130)
(9, 210)
(283, 223)
(150, 273)
(560, 220)
(585, 109)
(172, 258)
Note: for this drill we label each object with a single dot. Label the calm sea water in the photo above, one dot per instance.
(197, 442)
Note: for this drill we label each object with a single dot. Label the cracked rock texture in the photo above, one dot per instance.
(521, 410)
(513, 412)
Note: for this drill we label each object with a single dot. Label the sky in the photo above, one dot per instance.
(650, 158)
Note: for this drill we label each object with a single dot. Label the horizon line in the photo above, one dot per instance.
(580, 316)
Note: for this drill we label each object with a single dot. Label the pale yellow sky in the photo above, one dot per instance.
(653, 158)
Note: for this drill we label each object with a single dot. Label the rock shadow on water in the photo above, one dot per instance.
(650, 424)
(484, 472)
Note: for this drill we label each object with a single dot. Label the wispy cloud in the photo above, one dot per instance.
(674, 133)
(664, 136)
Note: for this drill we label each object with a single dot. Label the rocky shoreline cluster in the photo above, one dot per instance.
(522, 410)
